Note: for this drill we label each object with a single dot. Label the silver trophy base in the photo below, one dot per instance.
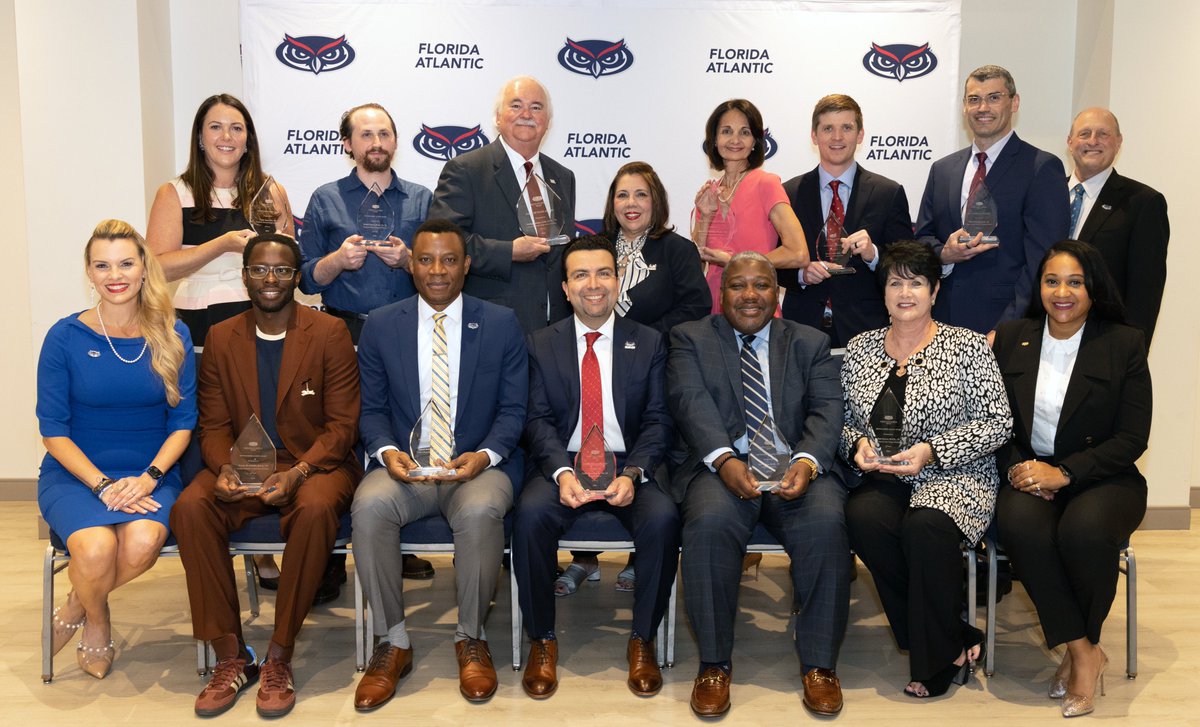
(985, 240)
(431, 472)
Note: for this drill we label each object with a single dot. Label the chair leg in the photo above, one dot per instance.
(360, 644)
(251, 584)
(48, 615)
(1131, 667)
(672, 626)
(201, 658)
(515, 608)
(989, 662)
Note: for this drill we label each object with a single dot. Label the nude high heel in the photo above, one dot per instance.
(1058, 685)
(1075, 705)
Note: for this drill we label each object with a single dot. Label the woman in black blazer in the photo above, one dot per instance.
(1079, 387)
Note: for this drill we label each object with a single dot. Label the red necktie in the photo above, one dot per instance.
(537, 205)
(980, 173)
(833, 233)
(592, 406)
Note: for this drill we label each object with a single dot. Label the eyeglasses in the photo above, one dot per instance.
(282, 272)
(992, 99)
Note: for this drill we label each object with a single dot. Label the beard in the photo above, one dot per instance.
(371, 165)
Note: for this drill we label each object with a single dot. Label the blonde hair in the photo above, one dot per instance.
(156, 314)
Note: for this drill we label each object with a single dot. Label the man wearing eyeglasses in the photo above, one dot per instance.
(987, 282)
(481, 190)
(294, 370)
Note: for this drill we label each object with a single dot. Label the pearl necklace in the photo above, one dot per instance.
(104, 330)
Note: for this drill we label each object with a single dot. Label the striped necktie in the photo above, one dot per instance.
(760, 434)
(441, 441)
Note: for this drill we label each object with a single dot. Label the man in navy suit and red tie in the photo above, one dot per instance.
(871, 209)
(595, 377)
(1123, 218)
(986, 283)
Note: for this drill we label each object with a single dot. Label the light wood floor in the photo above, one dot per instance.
(154, 681)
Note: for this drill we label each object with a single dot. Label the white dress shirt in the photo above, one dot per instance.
(614, 438)
(1055, 364)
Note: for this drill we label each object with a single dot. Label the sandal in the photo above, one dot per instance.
(95, 660)
(569, 581)
(939, 684)
(61, 631)
(626, 580)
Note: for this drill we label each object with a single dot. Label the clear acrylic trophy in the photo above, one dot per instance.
(264, 212)
(769, 474)
(253, 456)
(885, 434)
(829, 248)
(537, 218)
(981, 216)
(427, 464)
(595, 465)
(376, 219)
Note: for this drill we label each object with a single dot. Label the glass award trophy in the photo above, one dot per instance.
(981, 215)
(264, 212)
(885, 433)
(595, 465)
(535, 218)
(829, 248)
(376, 219)
(427, 464)
(253, 456)
(768, 470)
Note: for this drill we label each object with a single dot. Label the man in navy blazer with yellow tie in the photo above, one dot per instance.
(622, 367)
(439, 345)
(985, 283)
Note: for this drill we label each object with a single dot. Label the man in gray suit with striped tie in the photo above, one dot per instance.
(758, 405)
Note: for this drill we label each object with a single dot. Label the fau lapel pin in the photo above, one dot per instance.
(472, 325)
(630, 345)
(1106, 207)
(307, 389)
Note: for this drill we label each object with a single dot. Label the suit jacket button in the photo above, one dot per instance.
(1088, 440)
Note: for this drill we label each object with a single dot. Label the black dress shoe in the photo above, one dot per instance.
(331, 580)
(414, 568)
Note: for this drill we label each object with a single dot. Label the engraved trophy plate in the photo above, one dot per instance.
(595, 465)
(554, 223)
(981, 215)
(253, 456)
(376, 219)
(886, 434)
(427, 464)
(829, 248)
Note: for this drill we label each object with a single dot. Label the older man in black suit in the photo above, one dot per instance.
(757, 401)
(480, 191)
(1125, 219)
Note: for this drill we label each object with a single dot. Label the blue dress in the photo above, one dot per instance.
(115, 412)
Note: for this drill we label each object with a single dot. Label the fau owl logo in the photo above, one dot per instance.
(314, 53)
(899, 61)
(446, 142)
(589, 227)
(595, 58)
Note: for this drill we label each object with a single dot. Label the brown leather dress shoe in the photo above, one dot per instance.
(476, 675)
(541, 669)
(710, 693)
(645, 678)
(389, 664)
(822, 691)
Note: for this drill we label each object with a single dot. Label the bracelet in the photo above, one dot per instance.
(1068, 474)
(101, 485)
(304, 473)
(104, 489)
(812, 466)
(717, 467)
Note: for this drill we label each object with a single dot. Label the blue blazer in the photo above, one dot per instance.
(493, 380)
(1035, 213)
(639, 361)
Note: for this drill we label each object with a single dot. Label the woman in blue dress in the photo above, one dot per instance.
(116, 407)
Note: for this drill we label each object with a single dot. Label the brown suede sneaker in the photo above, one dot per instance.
(276, 694)
(230, 676)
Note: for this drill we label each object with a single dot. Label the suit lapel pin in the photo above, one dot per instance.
(1024, 343)
(94, 353)
(472, 325)
(307, 389)
(630, 345)
(1106, 207)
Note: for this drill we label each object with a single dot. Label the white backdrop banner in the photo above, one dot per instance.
(628, 81)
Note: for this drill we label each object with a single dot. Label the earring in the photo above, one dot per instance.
(201, 146)
(92, 297)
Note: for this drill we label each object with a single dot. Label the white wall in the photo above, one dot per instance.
(104, 113)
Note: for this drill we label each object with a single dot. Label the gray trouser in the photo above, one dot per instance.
(475, 511)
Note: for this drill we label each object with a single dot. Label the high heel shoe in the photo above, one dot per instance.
(939, 684)
(1058, 685)
(1076, 705)
(95, 660)
(61, 631)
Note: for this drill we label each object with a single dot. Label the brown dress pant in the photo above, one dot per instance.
(202, 525)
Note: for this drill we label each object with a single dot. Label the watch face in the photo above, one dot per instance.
(154, 472)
